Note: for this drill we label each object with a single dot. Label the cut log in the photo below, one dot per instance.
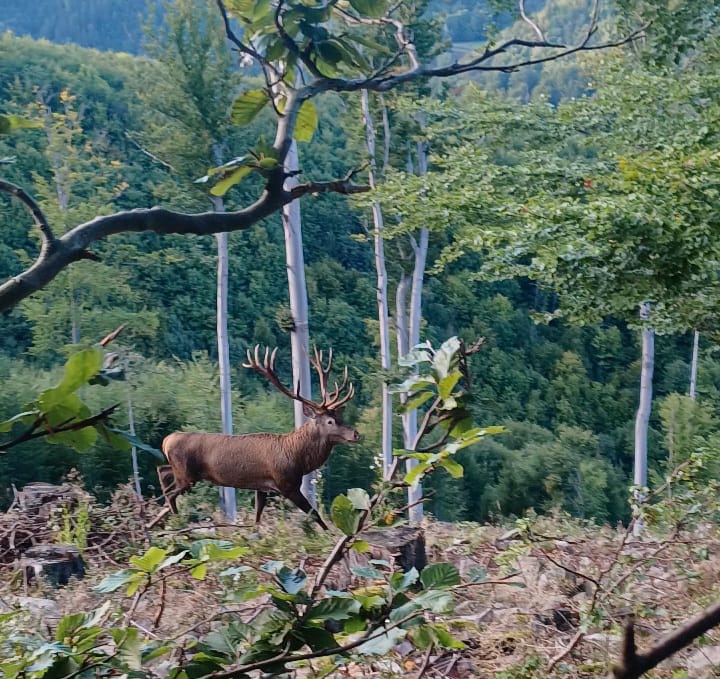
(55, 564)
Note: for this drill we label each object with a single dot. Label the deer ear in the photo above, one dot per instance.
(338, 412)
(308, 411)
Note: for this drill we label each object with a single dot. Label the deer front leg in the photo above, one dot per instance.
(299, 500)
(260, 500)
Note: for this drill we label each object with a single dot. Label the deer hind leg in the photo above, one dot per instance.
(171, 487)
(167, 481)
(299, 500)
(260, 500)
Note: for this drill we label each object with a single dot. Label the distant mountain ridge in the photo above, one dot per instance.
(116, 25)
(109, 25)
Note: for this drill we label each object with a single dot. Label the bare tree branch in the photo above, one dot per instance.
(634, 664)
(530, 22)
(58, 253)
(34, 209)
(232, 37)
(384, 80)
(40, 428)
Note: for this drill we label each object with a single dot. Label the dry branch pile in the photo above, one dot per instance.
(43, 514)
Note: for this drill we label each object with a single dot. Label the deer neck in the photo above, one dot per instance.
(310, 447)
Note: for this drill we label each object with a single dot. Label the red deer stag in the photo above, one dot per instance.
(263, 462)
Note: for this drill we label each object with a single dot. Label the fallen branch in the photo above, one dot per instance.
(634, 664)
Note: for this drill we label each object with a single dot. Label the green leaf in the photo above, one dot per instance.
(447, 384)
(68, 626)
(384, 643)
(229, 180)
(217, 550)
(334, 608)
(412, 478)
(138, 578)
(359, 498)
(360, 546)
(199, 572)
(422, 636)
(9, 123)
(247, 106)
(135, 441)
(461, 426)
(344, 515)
(292, 581)
(306, 122)
(399, 582)
(199, 548)
(370, 8)
(445, 639)
(128, 647)
(149, 561)
(354, 624)
(436, 601)
(455, 469)
(115, 581)
(112, 438)
(413, 383)
(316, 637)
(172, 560)
(366, 572)
(445, 357)
(440, 576)
(415, 401)
(155, 650)
(80, 367)
(27, 417)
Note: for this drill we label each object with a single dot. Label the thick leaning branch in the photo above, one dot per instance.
(58, 253)
(634, 664)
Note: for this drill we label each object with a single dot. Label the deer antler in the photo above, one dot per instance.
(331, 401)
(266, 367)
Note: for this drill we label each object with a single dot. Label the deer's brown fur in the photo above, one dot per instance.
(261, 462)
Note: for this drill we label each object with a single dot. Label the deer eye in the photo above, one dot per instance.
(330, 422)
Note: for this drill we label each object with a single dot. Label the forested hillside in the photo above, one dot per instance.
(500, 218)
(566, 393)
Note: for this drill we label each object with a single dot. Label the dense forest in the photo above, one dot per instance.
(118, 132)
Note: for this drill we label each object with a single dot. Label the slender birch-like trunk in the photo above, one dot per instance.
(228, 504)
(297, 287)
(133, 451)
(381, 290)
(694, 365)
(420, 248)
(642, 419)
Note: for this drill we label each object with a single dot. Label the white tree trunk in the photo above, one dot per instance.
(420, 248)
(642, 418)
(133, 452)
(227, 495)
(381, 290)
(694, 365)
(297, 287)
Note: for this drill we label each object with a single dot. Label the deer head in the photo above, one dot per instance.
(325, 416)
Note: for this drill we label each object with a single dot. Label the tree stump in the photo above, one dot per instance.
(402, 547)
(39, 499)
(56, 564)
